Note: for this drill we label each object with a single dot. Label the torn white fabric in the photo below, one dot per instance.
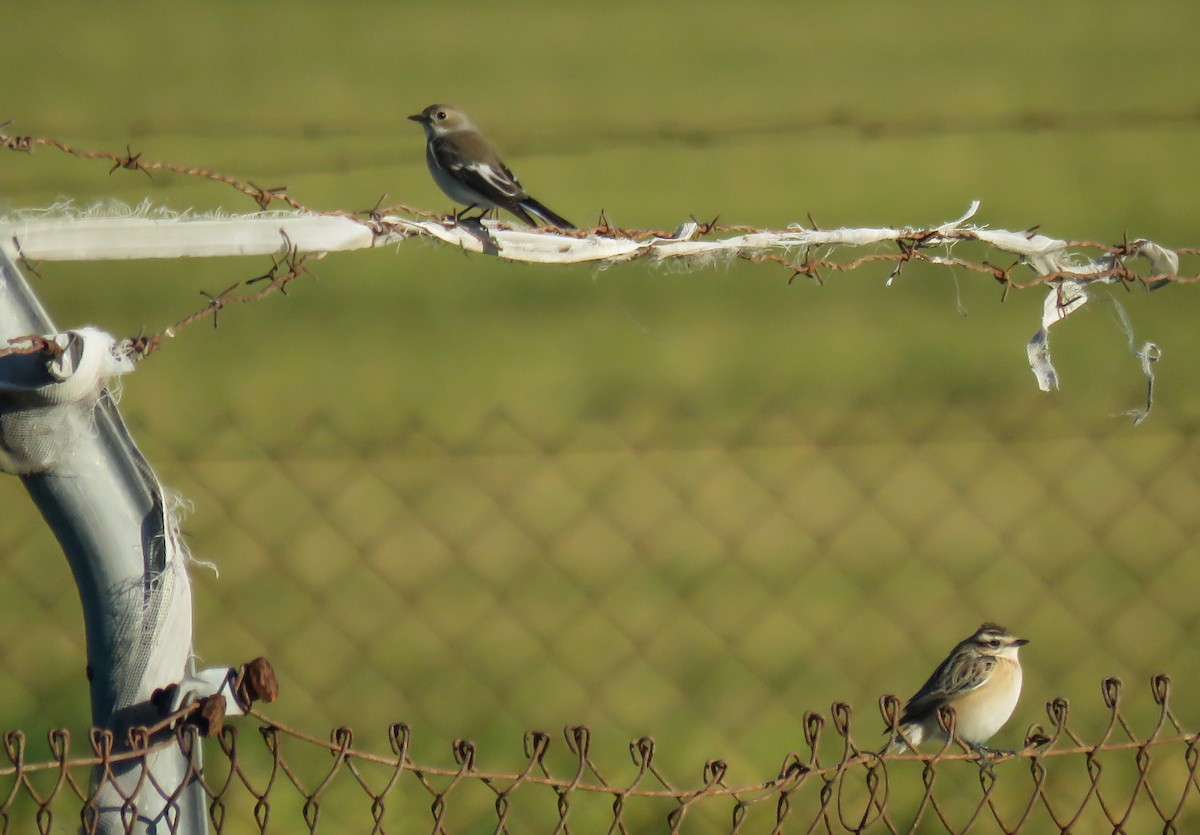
(1149, 354)
(45, 401)
(61, 233)
(1062, 300)
(87, 359)
(1164, 262)
(93, 238)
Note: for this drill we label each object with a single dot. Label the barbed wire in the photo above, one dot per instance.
(833, 776)
(832, 784)
(1024, 121)
(1067, 265)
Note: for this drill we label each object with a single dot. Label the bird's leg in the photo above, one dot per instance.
(985, 752)
(461, 216)
(458, 216)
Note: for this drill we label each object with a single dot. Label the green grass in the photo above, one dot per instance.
(483, 497)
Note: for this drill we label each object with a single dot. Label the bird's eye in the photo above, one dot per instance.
(441, 114)
(993, 643)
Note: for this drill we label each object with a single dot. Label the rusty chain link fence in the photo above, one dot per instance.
(719, 585)
(702, 595)
(261, 776)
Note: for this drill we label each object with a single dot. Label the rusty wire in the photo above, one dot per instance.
(851, 789)
(914, 246)
(831, 783)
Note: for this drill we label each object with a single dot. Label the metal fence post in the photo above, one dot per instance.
(60, 431)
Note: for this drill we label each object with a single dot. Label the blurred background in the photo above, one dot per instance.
(481, 497)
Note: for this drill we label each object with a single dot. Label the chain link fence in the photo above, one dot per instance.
(708, 588)
(651, 567)
(283, 779)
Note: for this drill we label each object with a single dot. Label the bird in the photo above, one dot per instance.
(467, 168)
(980, 679)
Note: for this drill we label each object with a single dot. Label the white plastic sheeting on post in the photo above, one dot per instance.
(61, 433)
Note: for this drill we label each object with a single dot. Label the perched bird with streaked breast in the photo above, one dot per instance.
(467, 168)
(980, 679)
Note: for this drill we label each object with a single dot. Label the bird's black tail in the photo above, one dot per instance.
(534, 207)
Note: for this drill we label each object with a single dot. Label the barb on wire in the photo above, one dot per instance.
(1069, 268)
(1049, 260)
(131, 161)
(284, 270)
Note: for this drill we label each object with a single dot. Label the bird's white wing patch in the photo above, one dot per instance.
(500, 179)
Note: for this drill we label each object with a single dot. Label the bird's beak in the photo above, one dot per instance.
(419, 117)
(1020, 642)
